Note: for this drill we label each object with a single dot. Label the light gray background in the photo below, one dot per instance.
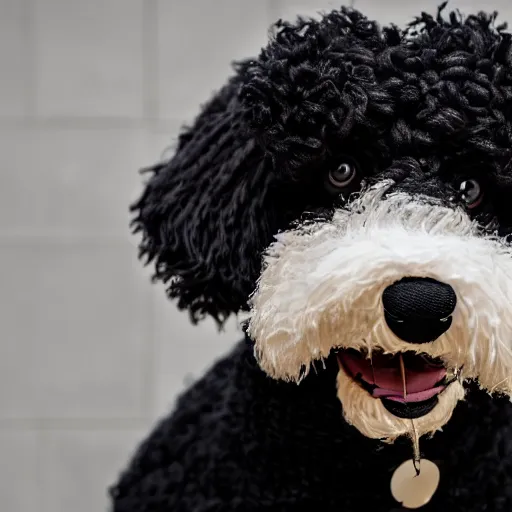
(90, 353)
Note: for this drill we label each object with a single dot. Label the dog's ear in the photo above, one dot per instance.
(304, 94)
(202, 214)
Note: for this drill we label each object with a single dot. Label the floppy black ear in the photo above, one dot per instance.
(201, 213)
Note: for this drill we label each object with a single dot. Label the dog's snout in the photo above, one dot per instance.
(418, 310)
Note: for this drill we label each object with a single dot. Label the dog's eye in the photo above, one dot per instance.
(471, 193)
(343, 175)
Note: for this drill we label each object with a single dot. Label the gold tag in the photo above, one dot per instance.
(412, 489)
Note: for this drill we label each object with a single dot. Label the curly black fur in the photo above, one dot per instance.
(240, 441)
(425, 106)
(428, 107)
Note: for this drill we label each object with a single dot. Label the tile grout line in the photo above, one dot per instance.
(68, 424)
(9, 239)
(150, 60)
(95, 123)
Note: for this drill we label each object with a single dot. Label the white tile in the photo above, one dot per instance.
(289, 10)
(19, 485)
(197, 41)
(89, 57)
(184, 351)
(504, 8)
(74, 324)
(401, 12)
(398, 12)
(67, 181)
(80, 466)
(15, 58)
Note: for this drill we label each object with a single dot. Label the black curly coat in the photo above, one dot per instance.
(428, 107)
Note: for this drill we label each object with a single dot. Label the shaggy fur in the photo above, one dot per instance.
(418, 113)
(322, 285)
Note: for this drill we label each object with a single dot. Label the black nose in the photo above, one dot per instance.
(418, 309)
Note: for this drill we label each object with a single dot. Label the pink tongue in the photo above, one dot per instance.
(384, 372)
(420, 396)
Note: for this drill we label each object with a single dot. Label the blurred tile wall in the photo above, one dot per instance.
(90, 352)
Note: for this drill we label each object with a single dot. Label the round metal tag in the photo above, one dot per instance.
(414, 490)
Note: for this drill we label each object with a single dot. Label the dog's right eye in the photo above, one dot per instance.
(471, 193)
(342, 176)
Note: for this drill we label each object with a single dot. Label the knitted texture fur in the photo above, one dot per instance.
(239, 441)
(299, 136)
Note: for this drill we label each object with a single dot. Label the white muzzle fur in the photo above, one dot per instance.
(322, 284)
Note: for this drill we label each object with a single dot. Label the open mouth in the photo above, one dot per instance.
(408, 384)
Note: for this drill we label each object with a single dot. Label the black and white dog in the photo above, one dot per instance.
(350, 189)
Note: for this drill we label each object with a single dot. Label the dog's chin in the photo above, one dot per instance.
(385, 412)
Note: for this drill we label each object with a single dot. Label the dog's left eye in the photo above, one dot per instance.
(343, 175)
(471, 193)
